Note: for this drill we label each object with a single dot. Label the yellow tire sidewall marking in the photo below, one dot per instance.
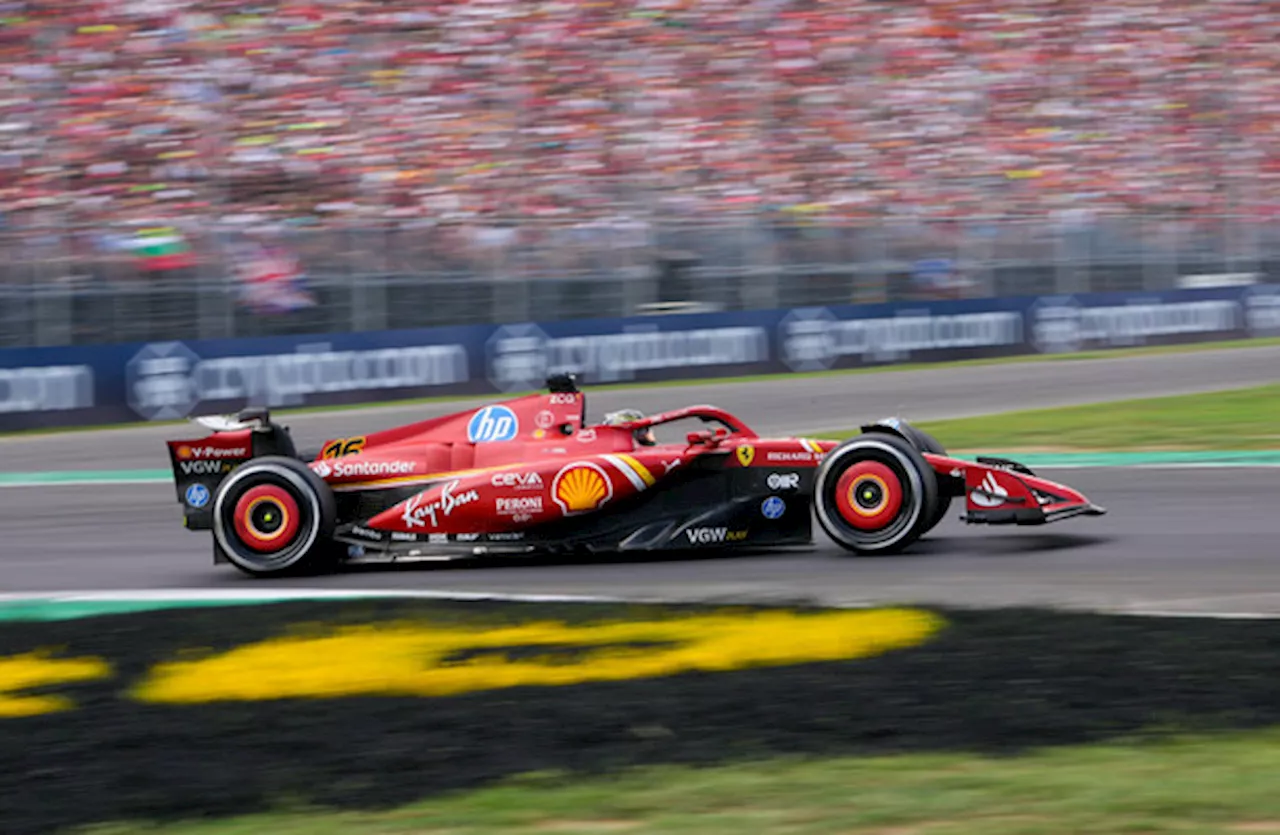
(853, 500)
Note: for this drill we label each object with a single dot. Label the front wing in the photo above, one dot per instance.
(1003, 492)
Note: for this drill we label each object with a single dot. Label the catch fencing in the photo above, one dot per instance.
(81, 287)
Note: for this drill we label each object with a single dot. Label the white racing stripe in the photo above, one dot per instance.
(627, 470)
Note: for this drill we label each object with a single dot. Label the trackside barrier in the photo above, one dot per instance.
(128, 382)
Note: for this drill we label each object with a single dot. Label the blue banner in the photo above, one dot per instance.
(85, 385)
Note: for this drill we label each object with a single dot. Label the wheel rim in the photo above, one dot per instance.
(267, 518)
(869, 521)
(869, 495)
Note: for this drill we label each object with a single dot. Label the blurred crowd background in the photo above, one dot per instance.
(315, 111)
(485, 128)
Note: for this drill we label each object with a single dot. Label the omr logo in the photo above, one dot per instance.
(492, 423)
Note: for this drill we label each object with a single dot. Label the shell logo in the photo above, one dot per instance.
(184, 452)
(581, 487)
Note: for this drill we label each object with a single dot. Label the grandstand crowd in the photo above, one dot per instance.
(321, 111)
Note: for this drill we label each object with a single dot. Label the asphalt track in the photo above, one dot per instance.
(800, 405)
(1178, 540)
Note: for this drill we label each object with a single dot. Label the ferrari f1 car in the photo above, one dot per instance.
(531, 476)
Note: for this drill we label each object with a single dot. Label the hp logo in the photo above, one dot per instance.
(492, 423)
(197, 495)
(773, 507)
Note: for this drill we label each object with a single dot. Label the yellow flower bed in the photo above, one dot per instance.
(421, 659)
(24, 672)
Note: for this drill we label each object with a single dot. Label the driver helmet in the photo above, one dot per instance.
(644, 436)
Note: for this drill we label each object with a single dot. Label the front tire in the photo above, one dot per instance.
(273, 516)
(875, 494)
(927, 443)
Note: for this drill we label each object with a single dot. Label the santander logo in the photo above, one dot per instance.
(363, 469)
(990, 493)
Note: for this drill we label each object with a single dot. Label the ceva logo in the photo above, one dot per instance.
(492, 423)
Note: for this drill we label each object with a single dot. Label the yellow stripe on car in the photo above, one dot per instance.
(394, 481)
(640, 469)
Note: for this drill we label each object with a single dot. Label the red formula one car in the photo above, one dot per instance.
(531, 476)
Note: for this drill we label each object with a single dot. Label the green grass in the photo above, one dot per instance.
(1238, 419)
(877, 369)
(1225, 784)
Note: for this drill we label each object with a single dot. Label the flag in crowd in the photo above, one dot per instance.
(160, 248)
(272, 279)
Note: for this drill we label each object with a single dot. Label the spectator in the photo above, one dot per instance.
(336, 112)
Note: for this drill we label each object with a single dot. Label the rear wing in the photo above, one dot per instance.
(200, 464)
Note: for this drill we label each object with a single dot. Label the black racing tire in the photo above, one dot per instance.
(272, 498)
(895, 472)
(927, 443)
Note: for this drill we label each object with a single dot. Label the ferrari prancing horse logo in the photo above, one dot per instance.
(746, 454)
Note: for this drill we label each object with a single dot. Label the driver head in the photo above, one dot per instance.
(644, 437)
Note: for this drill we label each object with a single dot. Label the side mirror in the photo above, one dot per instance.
(698, 438)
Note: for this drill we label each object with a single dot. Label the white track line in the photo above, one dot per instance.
(283, 595)
(87, 483)
(1162, 613)
(289, 595)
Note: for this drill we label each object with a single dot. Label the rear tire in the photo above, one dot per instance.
(273, 516)
(875, 494)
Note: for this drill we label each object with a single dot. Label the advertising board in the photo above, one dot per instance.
(129, 382)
